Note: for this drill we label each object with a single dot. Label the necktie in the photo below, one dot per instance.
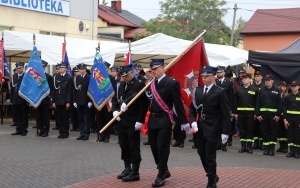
(156, 81)
(205, 92)
(125, 86)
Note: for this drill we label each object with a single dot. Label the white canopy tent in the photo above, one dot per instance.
(167, 47)
(18, 47)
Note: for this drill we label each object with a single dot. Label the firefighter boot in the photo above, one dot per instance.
(292, 152)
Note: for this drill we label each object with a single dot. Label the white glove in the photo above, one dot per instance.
(116, 113)
(224, 138)
(90, 104)
(123, 107)
(194, 127)
(185, 127)
(138, 126)
(75, 104)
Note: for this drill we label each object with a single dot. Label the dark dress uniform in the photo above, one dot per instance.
(81, 98)
(268, 106)
(20, 107)
(104, 116)
(244, 108)
(129, 137)
(227, 85)
(291, 113)
(159, 123)
(62, 94)
(212, 114)
(43, 118)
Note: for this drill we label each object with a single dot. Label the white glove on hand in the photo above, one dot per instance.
(138, 126)
(194, 127)
(224, 138)
(123, 107)
(75, 104)
(90, 104)
(185, 127)
(116, 113)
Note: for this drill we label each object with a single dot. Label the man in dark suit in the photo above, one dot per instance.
(165, 94)
(55, 77)
(139, 72)
(210, 113)
(62, 98)
(227, 85)
(74, 117)
(131, 122)
(82, 102)
(43, 118)
(20, 107)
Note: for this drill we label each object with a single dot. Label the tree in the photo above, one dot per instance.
(186, 19)
(104, 3)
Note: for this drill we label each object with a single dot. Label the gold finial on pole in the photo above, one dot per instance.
(98, 46)
(33, 39)
(2, 35)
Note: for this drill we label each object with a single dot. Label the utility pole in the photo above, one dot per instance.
(233, 24)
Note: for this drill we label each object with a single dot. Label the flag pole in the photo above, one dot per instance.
(150, 81)
(2, 107)
(97, 124)
(37, 126)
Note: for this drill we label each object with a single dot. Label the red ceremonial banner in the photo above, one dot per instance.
(186, 70)
(1, 59)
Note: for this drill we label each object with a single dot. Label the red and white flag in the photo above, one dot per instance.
(187, 70)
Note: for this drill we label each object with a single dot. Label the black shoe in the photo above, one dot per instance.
(24, 134)
(191, 140)
(59, 136)
(44, 135)
(106, 140)
(223, 147)
(12, 125)
(194, 147)
(229, 143)
(101, 140)
(34, 127)
(16, 133)
(176, 144)
(146, 143)
(72, 129)
(55, 128)
(125, 172)
(181, 145)
(133, 176)
(85, 138)
(167, 174)
(158, 182)
(80, 138)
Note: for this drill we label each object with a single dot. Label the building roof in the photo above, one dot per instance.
(273, 21)
(129, 16)
(112, 18)
(129, 34)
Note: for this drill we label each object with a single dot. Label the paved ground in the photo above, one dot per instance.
(50, 162)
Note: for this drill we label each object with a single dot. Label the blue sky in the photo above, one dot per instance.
(148, 9)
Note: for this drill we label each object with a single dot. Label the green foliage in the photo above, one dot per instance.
(186, 19)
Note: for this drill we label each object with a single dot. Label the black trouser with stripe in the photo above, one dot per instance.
(269, 128)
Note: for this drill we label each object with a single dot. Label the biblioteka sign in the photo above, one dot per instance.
(59, 7)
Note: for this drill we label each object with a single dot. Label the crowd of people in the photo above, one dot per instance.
(255, 110)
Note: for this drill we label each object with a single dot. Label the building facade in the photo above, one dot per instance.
(74, 18)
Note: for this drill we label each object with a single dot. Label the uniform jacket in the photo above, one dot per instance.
(15, 86)
(245, 98)
(136, 112)
(169, 90)
(268, 99)
(291, 103)
(81, 85)
(227, 85)
(215, 103)
(62, 92)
